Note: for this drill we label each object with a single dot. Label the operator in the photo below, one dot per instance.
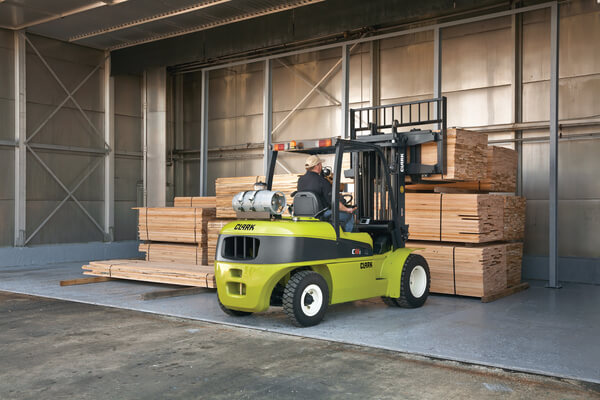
(313, 181)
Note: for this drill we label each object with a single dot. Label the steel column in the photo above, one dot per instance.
(517, 92)
(156, 136)
(144, 140)
(109, 158)
(553, 182)
(437, 67)
(20, 136)
(345, 90)
(178, 119)
(204, 134)
(267, 114)
(375, 92)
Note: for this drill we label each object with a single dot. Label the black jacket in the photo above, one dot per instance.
(315, 183)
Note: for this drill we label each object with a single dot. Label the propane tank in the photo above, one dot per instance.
(259, 201)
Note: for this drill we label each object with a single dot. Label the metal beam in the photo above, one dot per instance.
(109, 158)
(156, 136)
(204, 134)
(345, 91)
(375, 89)
(267, 114)
(144, 139)
(437, 68)
(20, 136)
(517, 92)
(553, 182)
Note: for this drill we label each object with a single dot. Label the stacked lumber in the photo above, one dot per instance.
(476, 271)
(514, 218)
(466, 156)
(514, 259)
(214, 228)
(226, 188)
(200, 202)
(466, 218)
(471, 218)
(175, 252)
(501, 175)
(149, 271)
(174, 224)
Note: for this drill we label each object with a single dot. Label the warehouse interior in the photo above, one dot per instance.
(106, 106)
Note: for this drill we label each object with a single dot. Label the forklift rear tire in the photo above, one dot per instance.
(233, 313)
(414, 283)
(389, 301)
(305, 298)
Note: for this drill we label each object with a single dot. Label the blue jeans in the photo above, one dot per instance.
(346, 220)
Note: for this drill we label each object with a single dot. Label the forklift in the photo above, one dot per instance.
(303, 262)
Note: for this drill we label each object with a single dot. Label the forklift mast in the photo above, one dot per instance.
(382, 199)
(381, 159)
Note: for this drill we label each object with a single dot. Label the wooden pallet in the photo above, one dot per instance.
(148, 271)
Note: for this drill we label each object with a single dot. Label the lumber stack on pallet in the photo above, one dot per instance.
(466, 156)
(500, 176)
(200, 202)
(214, 228)
(465, 218)
(174, 224)
(477, 270)
(175, 252)
(226, 188)
(158, 272)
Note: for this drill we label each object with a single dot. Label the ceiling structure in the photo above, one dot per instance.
(117, 24)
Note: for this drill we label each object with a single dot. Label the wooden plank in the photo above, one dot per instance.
(84, 281)
(514, 260)
(161, 294)
(174, 224)
(506, 292)
(440, 259)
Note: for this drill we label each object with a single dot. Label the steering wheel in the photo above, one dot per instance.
(346, 201)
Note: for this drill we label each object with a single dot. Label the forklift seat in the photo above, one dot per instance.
(306, 204)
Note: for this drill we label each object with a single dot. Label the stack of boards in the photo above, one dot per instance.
(175, 242)
(470, 236)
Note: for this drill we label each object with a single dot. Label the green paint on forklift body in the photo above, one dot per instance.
(253, 256)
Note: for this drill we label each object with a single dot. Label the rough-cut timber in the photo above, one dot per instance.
(465, 218)
(201, 202)
(514, 260)
(440, 258)
(479, 271)
(214, 228)
(466, 156)
(148, 271)
(423, 216)
(476, 271)
(472, 218)
(226, 188)
(174, 224)
(501, 176)
(514, 218)
(175, 252)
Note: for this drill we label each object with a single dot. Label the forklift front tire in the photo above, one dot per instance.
(233, 313)
(414, 283)
(305, 298)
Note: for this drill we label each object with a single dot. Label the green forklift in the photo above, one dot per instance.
(303, 262)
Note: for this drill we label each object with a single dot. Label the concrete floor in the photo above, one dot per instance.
(545, 331)
(57, 349)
